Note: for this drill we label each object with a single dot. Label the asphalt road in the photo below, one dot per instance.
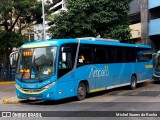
(110, 104)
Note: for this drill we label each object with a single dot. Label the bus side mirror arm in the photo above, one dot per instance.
(11, 57)
(154, 53)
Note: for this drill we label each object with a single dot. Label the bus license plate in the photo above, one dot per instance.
(32, 98)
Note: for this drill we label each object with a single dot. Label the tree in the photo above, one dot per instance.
(6, 47)
(15, 16)
(20, 13)
(107, 18)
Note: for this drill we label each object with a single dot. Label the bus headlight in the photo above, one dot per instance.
(17, 86)
(49, 85)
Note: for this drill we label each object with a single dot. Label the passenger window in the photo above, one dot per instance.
(144, 55)
(84, 56)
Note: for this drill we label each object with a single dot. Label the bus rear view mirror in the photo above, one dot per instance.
(65, 50)
(64, 57)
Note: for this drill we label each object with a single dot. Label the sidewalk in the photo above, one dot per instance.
(10, 100)
(7, 93)
(2, 82)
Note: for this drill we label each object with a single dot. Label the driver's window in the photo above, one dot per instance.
(66, 58)
(65, 61)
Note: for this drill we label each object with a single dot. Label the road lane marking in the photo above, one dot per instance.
(122, 93)
(136, 93)
(151, 90)
(158, 96)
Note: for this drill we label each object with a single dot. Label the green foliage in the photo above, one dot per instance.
(21, 13)
(16, 16)
(8, 39)
(107, 18)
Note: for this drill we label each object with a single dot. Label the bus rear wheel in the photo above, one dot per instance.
(81, 93)
(133, 82)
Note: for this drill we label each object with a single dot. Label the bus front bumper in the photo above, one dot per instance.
(46, 93)
(156, 77)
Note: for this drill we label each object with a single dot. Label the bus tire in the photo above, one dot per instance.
(81, 92)
(133, 82)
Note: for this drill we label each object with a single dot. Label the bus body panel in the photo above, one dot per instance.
(106, 75)
(66, 86)
(99, 76)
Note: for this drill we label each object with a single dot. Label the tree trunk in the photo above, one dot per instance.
(5, 64)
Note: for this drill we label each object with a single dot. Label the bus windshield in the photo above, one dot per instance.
(36, 63)
(157, 62)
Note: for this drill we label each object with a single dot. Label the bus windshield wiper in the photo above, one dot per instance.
(22, 76)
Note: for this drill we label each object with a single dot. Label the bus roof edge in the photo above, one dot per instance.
(102, 39)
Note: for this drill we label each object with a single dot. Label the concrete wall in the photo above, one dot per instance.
(135, 30)
(134, 7)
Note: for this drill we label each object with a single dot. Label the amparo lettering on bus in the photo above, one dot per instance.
(98, 72)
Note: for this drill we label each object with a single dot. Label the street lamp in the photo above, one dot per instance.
(43, 15)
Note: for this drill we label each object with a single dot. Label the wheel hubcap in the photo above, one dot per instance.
(81, 91)
(133, 83)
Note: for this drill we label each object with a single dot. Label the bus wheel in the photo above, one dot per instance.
(133, 82)
(81, 91)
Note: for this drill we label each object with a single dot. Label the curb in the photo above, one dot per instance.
(8, 82)
(10, 100)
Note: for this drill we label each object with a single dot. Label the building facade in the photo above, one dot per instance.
(56, 7)
(154, 23)
(145, 22)
(135, 21)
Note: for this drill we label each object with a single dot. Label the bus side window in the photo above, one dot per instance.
(81, 59)
(144, 55)
(84, 56)
(100, 55)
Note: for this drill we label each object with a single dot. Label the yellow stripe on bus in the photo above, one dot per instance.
(79, 40)
(26, 92)
(147, 53)
(98, 89)
(149, 66)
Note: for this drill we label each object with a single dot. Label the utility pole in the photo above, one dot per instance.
(43, 15)
(144, 22)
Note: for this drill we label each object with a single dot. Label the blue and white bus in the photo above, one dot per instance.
(61, 68)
